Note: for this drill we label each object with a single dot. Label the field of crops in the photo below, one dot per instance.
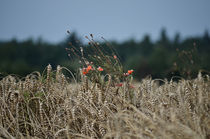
(102, 100)
(50, 106)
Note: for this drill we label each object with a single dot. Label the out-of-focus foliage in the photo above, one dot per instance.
(164, 58)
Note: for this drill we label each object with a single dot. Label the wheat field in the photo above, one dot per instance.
(51, 106)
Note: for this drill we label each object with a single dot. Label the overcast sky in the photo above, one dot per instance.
(112, 19)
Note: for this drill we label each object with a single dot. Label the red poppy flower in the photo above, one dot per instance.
(130, 71)
(100, 69)
(84, 71)
(89, 68)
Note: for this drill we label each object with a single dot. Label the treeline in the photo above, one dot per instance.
(164, 58)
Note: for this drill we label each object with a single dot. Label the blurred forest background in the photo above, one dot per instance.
(164, 58)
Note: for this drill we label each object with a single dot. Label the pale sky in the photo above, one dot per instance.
(113, 19)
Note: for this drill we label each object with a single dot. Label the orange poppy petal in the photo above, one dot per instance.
(100, 69)
(89, 68)
(130, 71)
